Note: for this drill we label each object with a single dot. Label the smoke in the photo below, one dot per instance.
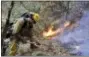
(77, 40)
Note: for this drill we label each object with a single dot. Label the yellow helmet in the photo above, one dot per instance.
(36, 17)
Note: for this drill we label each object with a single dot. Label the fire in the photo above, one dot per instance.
(51, 33)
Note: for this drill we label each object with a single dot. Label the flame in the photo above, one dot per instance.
(51, 33)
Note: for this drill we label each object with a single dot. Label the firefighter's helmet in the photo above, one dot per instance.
(36, 17)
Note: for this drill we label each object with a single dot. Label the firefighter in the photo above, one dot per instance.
(27, 19)
(23, 24)
(21, 30)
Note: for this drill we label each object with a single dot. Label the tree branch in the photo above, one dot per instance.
(5, 28)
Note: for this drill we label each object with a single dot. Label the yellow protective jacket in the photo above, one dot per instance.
(18, 25)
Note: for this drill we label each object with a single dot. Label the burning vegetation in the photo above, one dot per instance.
(50, 32)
